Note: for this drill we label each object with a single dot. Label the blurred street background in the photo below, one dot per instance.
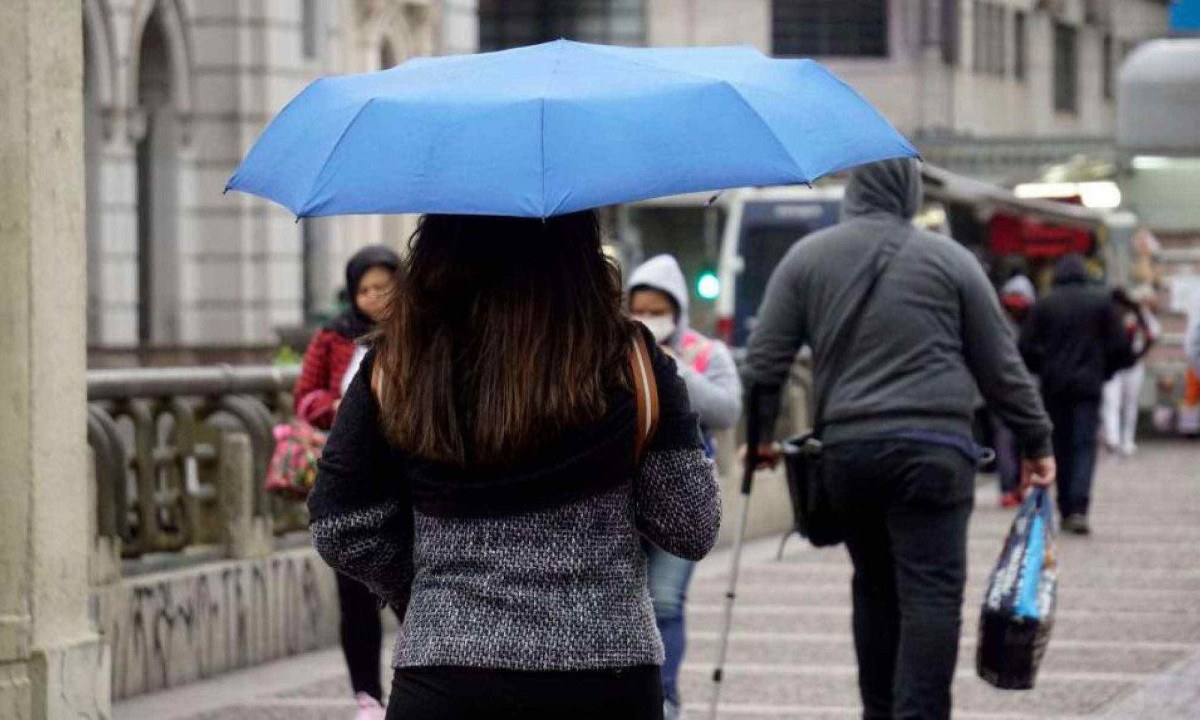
(177, 588)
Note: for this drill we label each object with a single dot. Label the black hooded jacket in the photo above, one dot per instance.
(1074, 338)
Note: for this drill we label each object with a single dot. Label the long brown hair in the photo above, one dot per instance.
(505, 332)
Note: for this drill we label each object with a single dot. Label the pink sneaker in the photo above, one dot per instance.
(369, 708)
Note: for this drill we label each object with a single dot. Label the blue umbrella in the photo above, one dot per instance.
(559, 127)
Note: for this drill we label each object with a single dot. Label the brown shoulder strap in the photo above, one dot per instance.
(645, 388)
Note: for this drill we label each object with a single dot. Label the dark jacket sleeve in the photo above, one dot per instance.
(1118, 341)
(676, 495)
(1033, 350)
(778, 335)
(311, 398)
(361, 508)
(991, 353)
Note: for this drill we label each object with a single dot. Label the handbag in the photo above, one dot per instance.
(292, 471)
(803, 456)
(645, 390)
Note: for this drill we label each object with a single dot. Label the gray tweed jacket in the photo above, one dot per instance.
(558, 586)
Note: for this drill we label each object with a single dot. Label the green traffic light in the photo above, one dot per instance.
(708, 285)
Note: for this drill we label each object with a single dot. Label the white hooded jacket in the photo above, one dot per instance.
(715, 394)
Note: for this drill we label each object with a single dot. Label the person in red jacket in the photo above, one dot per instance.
(331, 360)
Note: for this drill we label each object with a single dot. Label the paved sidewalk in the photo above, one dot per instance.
(1126, 643)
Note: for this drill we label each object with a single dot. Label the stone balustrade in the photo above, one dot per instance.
(196, 570)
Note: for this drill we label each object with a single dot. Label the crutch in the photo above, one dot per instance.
(751, 460)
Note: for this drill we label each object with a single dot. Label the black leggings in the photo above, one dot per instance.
(455, 693)
(362, 635)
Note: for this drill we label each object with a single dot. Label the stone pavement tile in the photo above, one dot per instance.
(838, 650)
(837, 687)
(309, 711)
(1171, 696)
(337, 686)
(1069, 624)
(1071, 595)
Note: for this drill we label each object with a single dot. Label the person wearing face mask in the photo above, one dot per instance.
(330, 363)
(658, 298)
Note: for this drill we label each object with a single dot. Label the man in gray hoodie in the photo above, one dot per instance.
(898, 420)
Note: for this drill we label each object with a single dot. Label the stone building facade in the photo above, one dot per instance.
(177, 90)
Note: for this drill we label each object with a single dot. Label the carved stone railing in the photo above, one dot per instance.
(179, 460)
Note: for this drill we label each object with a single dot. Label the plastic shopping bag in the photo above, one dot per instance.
(1018, 609)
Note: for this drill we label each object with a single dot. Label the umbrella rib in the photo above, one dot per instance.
(728, 84)
(804, 177)
(316, 178)
(706, 76)
(542, 138)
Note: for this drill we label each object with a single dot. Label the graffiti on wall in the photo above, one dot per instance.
(171, 628)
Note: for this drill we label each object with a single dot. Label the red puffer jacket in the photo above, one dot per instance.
(320, 384)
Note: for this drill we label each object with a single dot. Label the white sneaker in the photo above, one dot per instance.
(1128, 450)
(369, 708)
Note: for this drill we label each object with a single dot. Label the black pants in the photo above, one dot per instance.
(453, 693)
(1076, 427)
(905, 508)
(362, 635)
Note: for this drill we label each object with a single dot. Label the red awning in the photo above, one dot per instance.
(1015, 235)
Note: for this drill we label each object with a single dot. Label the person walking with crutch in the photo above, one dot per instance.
(896, 396)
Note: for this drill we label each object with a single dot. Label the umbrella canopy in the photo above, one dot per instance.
(560, 127)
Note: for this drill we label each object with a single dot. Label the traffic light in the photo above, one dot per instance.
(708, 285)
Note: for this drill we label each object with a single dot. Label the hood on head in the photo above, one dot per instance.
(1071, 269)
(890, 187)
(365, 259)
(1020, 286)
(662, 273)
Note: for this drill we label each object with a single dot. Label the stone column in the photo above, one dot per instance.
(52, 664)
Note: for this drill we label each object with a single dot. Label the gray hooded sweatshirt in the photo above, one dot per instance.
(932, 334)
(715, 394)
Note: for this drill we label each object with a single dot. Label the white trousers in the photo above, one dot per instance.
(1120, 408)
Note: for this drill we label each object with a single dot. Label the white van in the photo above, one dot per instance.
(736, 237)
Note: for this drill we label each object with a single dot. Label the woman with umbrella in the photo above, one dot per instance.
(495, 463)
(482, 477)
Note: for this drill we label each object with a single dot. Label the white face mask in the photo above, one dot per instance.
(661, 327)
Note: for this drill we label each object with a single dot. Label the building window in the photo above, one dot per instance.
(849, 28)
(1065, 68)
(989, 38)
(939, 28)
(308, 28)
(1019, 45)
(513, 23)
(1106, 66)
(950, 30)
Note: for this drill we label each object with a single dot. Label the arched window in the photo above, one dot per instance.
(93, 212)
(157, 164)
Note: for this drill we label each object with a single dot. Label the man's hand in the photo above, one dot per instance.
(1038, 472)
(769, 455)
